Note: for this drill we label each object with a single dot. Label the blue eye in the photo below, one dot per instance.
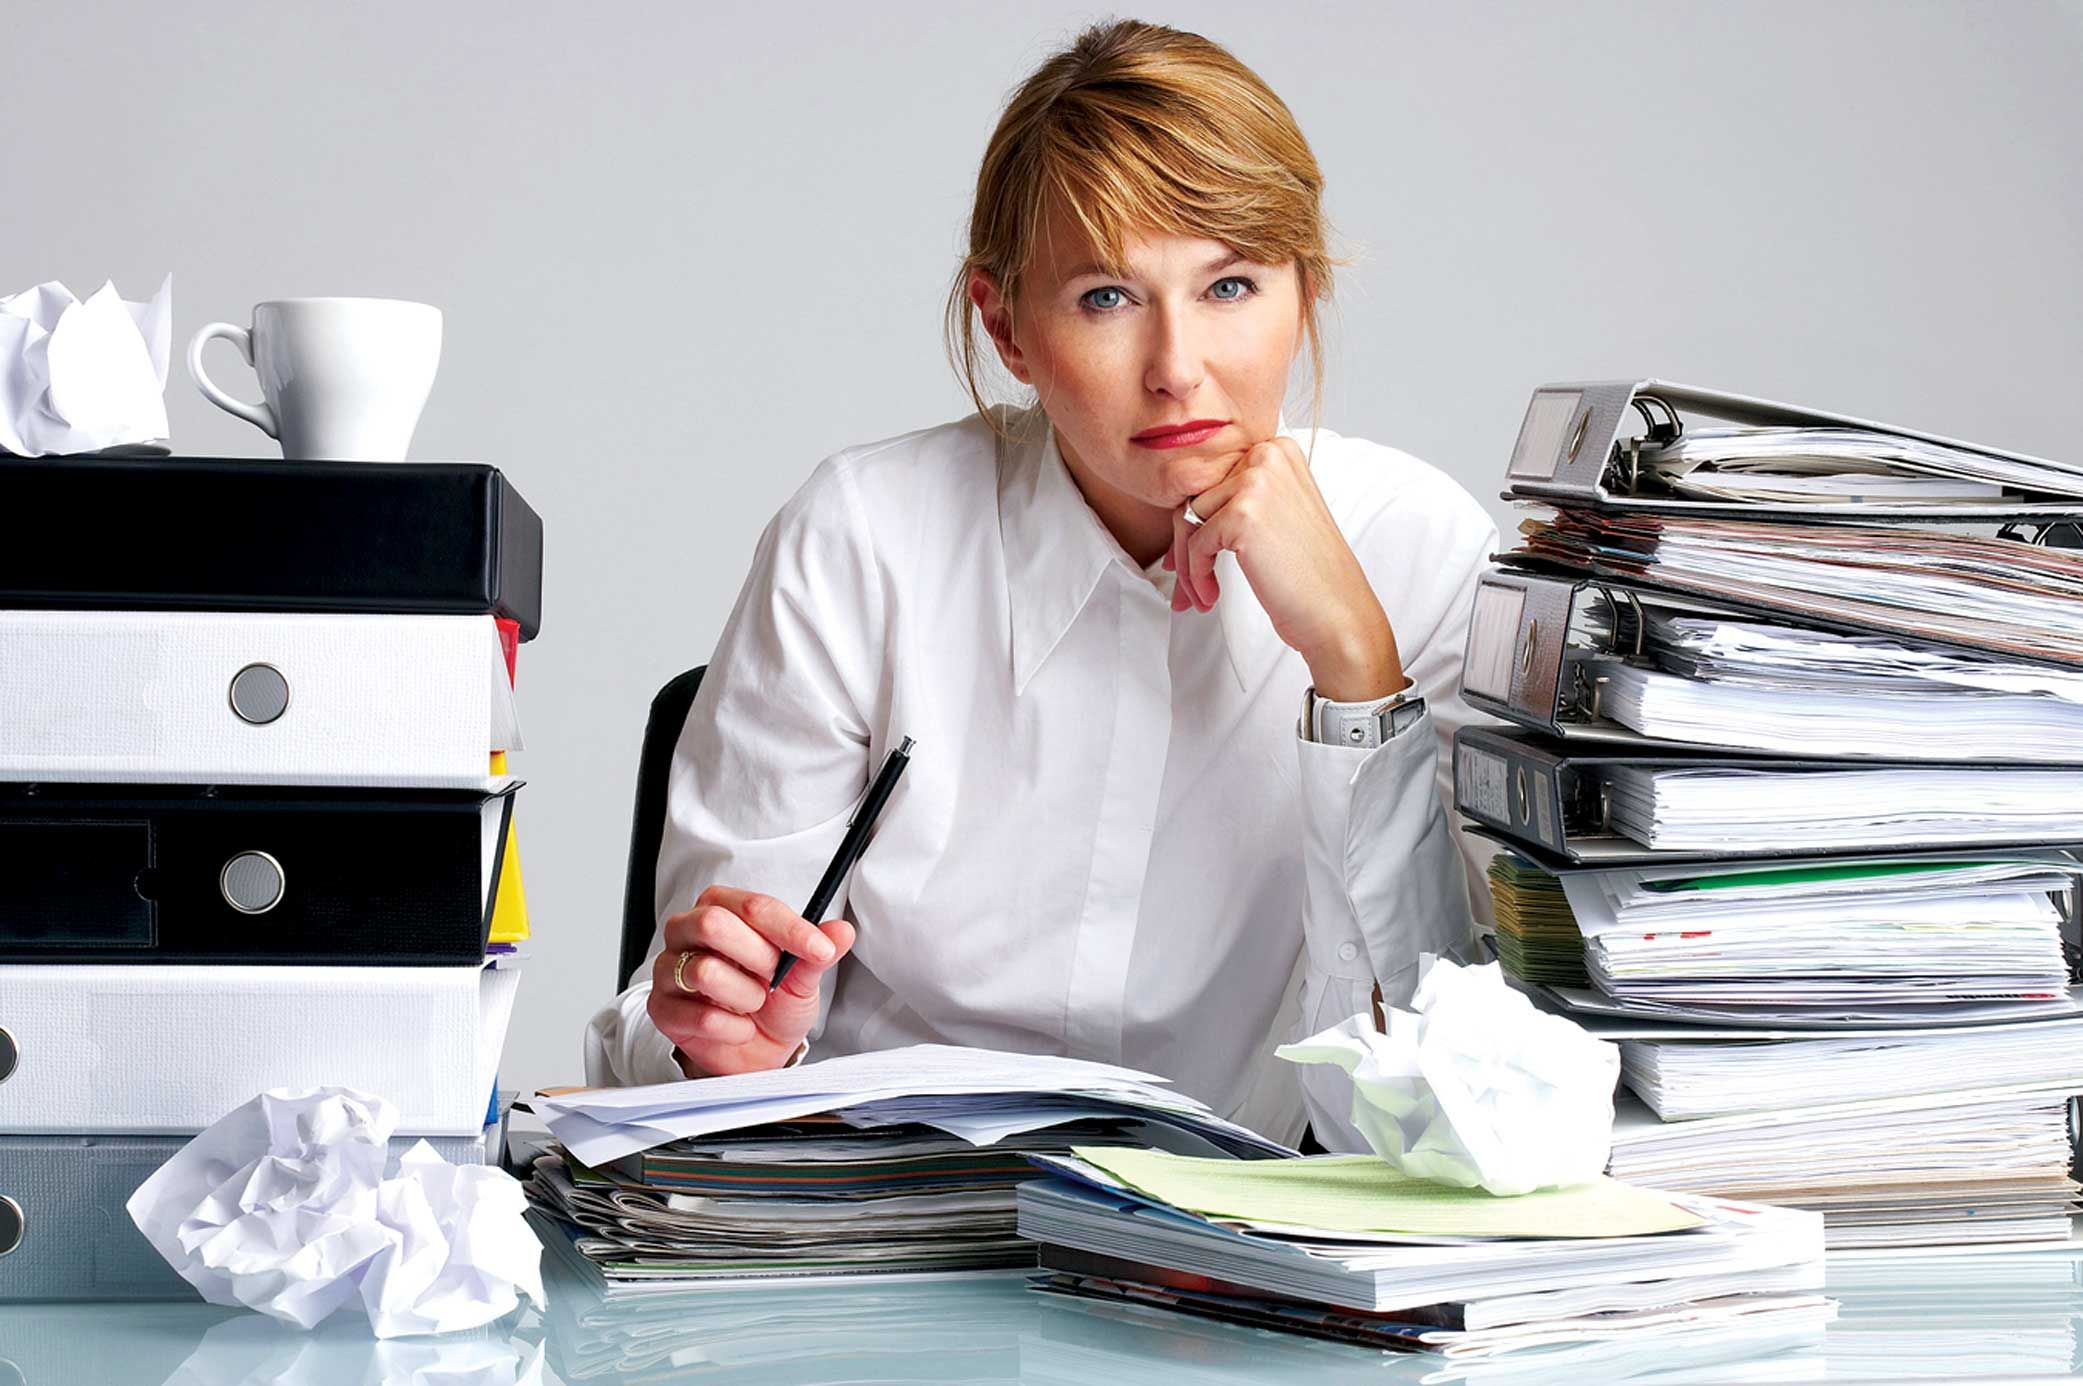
(1244, 290)
(1089, 297)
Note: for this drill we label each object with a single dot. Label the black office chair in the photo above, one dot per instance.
(647, 824)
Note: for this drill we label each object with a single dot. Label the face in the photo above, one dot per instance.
(1192, 333)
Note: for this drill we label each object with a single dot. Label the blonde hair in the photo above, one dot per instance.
(1139, 127)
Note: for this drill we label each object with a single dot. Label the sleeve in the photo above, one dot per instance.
(775, 751)
(1387, 875)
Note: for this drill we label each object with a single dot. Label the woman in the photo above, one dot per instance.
(1098, 617)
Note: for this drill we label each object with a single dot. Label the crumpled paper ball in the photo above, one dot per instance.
(80, 376)
(283, 1207)
(1475, 1086)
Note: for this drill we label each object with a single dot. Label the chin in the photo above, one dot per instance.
(1187, 477)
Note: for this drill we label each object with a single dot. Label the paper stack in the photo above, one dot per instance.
(903, 1161)
(255, 838)
(1768, 686)
(1345, 1247)
(1840, 966)
(1537, 937)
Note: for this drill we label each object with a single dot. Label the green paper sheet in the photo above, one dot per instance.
(1361, 1193)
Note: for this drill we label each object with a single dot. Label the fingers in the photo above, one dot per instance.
(714, 929)
(802, 979)
(1192, 556)
(689, 1021)
(773, 921)
(1182, 585)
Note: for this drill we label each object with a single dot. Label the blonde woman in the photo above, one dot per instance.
(1181, 677)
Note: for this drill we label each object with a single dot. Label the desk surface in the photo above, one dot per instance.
(1983, 1318)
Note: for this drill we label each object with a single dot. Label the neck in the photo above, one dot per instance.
(1142, 529)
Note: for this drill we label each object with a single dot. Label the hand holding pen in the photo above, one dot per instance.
(736, 986)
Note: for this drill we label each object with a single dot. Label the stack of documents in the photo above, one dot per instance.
(1996, 595)
(1857, 1038)
(898, 1161)
(1347, 1247)
(1839, 465)
(1774, 687)
(1725, 809)
(1697, 1071)
(1974, 1165)
(1837, 663)
(1913, 932)
(1537, 938)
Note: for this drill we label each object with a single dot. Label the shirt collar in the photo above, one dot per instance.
(1057, 551)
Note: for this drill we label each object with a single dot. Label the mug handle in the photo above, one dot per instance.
(259, 415)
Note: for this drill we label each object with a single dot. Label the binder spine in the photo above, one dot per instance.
(1519, 791)
(1517, 641)
(188, 876)
(163, 1051)
(63, 1231)
(362, 537)
(198, 697)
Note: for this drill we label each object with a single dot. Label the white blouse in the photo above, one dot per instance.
(1111, 841)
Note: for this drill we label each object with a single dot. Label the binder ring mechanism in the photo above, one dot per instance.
(1669, 430)
(2042, 535)
(1591, 691)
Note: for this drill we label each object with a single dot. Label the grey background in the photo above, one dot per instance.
(687, 250)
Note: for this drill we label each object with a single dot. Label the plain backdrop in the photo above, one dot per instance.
(684, 251)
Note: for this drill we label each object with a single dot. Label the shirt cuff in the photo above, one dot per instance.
(624, 1048)
(1384, 878)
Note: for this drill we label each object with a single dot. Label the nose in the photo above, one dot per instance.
(1174, 365)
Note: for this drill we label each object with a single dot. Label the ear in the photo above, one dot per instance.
(997, 314)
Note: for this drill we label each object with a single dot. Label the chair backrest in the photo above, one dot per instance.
(647, 823)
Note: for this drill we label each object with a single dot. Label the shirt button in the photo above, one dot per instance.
(1347, 952)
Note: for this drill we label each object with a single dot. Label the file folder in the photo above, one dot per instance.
(168, 1051)
(249, 534)
(1557, 654)
(164, 875)
(1551, 800)
(1579, 443)
(64, 1234)
(191, 697)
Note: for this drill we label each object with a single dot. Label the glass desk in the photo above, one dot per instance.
(1963, 1318)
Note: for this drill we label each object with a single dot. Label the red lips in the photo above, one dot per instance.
(1175, 434)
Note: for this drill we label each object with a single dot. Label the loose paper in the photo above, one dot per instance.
(1359, 1193)
(282, 1207)
(80, 376)
(1476, 1087)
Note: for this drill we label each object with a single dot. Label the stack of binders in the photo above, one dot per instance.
(1794, 799)
(256, 826)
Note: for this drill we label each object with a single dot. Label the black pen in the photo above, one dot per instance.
(850, 846)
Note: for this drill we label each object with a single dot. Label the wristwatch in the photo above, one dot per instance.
(1363, 725)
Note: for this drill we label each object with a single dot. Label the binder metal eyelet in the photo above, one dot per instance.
(1519, 788)
(252, 882)
(1526, 651)
(10, 1053)
(259, 694)
(14, 1224)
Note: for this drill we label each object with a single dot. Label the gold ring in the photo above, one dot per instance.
(680, 973)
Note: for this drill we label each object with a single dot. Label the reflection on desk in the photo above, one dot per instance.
(1929, 1318)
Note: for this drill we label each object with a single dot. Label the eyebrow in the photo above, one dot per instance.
(1221, 262)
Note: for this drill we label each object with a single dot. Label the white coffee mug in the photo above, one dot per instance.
(340, 378)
